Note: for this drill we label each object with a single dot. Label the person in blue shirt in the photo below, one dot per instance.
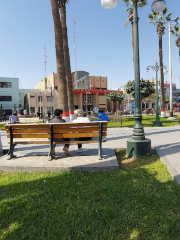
(102, 116)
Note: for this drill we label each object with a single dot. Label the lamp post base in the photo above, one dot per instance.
(136, 149)
(157, 123)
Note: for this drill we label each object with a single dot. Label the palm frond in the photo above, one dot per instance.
(128, 9)
(142, 3)
(126, 23)
(168, 17)
(164, 11)
(177, 28)
(150, 16)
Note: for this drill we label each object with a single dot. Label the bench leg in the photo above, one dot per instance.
(52, 152)
(100, 151)
(100, 142)
(10, 152)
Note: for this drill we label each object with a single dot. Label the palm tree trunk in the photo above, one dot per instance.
(67, 62)
(161, 73)
(61, 76)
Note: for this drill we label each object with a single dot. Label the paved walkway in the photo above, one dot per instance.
(166, 141)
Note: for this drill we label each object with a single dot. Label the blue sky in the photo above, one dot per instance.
(103, 44)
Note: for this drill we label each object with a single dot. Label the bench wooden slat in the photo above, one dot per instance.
(27, 126)
(29, 131)
(29, 135)
(77, 135)
(30, 142)
(87, 129)
(72, 125)
(76, 142)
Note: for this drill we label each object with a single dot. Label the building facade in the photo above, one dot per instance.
(88, 92)
(9, 94)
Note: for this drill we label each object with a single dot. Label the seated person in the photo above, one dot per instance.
(102, 116)
(13, 118)
(80, 116)
(58, 119)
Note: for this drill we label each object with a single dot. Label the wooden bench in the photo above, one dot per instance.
(29, 120)
(53, 133)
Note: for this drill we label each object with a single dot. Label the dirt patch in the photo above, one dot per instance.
(129, 163)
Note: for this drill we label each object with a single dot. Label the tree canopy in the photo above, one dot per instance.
(115, 97)
(146, 88)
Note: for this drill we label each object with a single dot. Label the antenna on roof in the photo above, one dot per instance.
(45, 56)
(74, 42)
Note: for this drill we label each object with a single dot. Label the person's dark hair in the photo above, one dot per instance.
(101, 111)
(57, 112)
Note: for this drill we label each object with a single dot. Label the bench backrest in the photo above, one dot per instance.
(28, 131)
(79, 130)
(57, 130)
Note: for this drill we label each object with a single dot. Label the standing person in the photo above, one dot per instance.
(38, 114)
(4, 116)
(58, 119)
(81, 118)
(25, 111)
(102, 116)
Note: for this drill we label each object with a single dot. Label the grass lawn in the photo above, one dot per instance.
(139, 201)
(147, 121)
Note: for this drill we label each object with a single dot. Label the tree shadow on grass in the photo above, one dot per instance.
(137, 202)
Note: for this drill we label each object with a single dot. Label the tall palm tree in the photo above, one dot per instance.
(176, 32)
(129, 3)
(61, 75)
(160, 19)
(62, 6)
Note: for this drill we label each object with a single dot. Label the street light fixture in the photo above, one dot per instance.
(156, 68)
(138, 145)
(158, 5)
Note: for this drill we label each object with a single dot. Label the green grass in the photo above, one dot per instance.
(147, 121)
(139, 201)
(2, 126)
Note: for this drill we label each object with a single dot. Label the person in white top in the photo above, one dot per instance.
(80, 118)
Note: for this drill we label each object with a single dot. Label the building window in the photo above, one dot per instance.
(5, 98)
(39, 98)
(32, 96)
(49, 98)
(5, 85)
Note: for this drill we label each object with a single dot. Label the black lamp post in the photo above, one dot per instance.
(157, 122)
(138, 145)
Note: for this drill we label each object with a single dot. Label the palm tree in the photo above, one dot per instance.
(159, 19)
(61, 75)
(129, 3)
(62, 6)
(176, 32)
